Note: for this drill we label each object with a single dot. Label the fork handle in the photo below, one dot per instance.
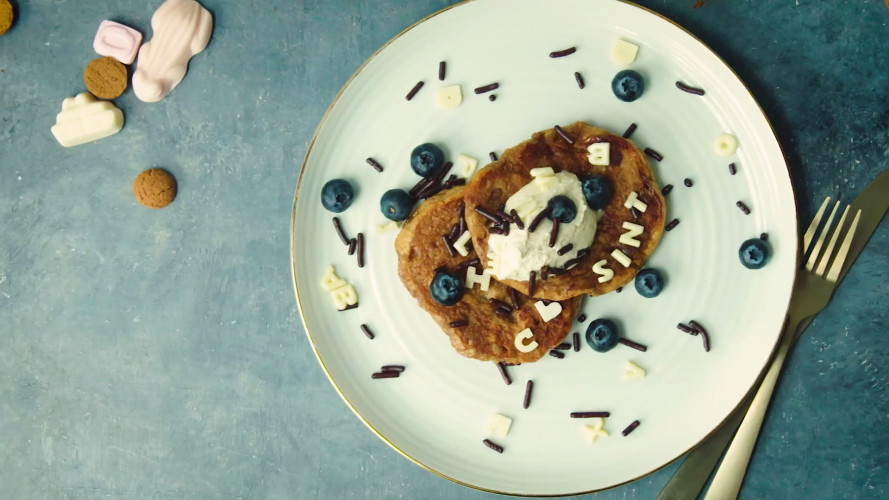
(730, 474)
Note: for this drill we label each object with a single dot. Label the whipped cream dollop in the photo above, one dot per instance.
(515, 255)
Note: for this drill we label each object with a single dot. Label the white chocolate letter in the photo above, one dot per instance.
(599, 154)
(520, 338)
(629, 238)
(604, 273)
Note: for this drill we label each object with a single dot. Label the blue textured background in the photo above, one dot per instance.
(159, 354)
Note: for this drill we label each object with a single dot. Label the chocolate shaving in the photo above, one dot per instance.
(672, 224)
(339, 230)
(590, 414)
(385, 375)
(554, 233)
(360, 249)
(634, 345)
(494, 446)
(460, 323)
(563, 135)
(691, 90)
(565, 249)
(700, 329)
(487, 88)
(373, 163)
(654, 154)
(367, 332)
(563, 52)
(744, 208)
(502, 369)
(579, 79)
(557, 354)
(526, 402)
(630, 428)
(442, 68)
(410, 95)
(538, 219)
(629, 131)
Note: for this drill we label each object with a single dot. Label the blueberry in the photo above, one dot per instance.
(754, 253)
(602, 335)
(596, 190)
(649, 282)
(427, 160)
(446, 288)
(627, 85)
(396, 204)
(337, 195)
(562, 208)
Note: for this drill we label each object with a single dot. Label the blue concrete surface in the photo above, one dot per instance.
(159, 354)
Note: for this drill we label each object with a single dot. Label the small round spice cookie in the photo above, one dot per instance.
(154, 188)
(6, 16)
(105, 77)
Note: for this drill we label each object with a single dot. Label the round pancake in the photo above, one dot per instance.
(488, 336)
(628, 172)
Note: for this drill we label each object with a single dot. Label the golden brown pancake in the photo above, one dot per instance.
(487, 336)
(628, 172)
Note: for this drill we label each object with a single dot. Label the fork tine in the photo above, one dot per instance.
(810, 233)
(822, 264)
(834, 272)
(816, 250)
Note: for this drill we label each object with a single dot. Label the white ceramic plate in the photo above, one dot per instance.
(436, 412)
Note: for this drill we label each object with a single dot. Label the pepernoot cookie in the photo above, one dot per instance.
(154, 188)
(6, 16)
(105, 77)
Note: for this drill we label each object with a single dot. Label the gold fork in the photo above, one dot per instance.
(811, 293)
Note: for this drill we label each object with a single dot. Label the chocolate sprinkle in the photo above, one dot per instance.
(487, 88)
(563, 134)
(453, 233)
(619, 289)
(444, 171)
(688, 182)
(492, 97)
(467, 263)
(579, 79)
(691, 90)
(392, 368)
(629, 131)
(410, 95)
(448, 246)
(581, 318)
(460, 323)
(564, 346)
(544, 274)
(442, 67)
(531, 281)
(494, 446)
(538, 219)
(732, 169)
(743, 207)
(687, 329)
(496, 230)
(575, 341)
(557, 354)
(488, 215)
(672, 224)
(634, 345)
(502, 369)
(583, 252)
(636, 213)
(360, 249)
(516, 219)
(421, 185)
(352, 243)
(503, 215)
(563, 53)
(339, 230)
(554, 233)
(565, 249)
(391, 374)
(503, 312)
(454, 182)
(513, 298)
(367, 332)
(666, 190)
(590, 414)
(630, 428)
(654, 154)
(500, 304)
(373, 163)
(529, 386)
(700, 329)
(764, 236)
